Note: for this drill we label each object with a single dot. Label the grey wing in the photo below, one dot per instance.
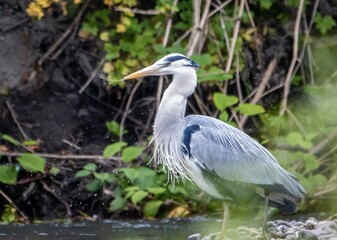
(234, 156)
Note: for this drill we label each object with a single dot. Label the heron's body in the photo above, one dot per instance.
(222, 160)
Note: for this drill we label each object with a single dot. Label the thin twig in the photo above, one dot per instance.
(324, 142)
(217, 9)
(284, 100)
(235, 36)
(52, 192)
(93, 74)
(261, 88)
(137, 11)
(14, 26)
(24, 216)
(237, 78)
(58, 156)
(199, 26)
(15, 119)
(127, 107)
(71, 144)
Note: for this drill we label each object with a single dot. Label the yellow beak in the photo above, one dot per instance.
(152, 70)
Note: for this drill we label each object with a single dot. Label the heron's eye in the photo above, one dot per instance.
(165, 64)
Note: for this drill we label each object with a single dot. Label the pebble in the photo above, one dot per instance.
(311, 229)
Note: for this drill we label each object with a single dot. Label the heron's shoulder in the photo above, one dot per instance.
(207, 122)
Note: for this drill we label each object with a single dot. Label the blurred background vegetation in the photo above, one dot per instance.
(267, 67)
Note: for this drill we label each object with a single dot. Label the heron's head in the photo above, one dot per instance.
(168, 65)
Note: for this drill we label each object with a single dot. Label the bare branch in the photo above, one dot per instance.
(284, 100)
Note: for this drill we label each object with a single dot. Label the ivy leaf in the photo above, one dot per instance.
(223, 101)
(131, 153)
(151, 208)
(112, 149)
(249, 109)
(8, 174)
(32, 162)
(138, 196)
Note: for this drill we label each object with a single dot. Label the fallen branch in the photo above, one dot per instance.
(15, 119)
(58, 156)
(93, 74)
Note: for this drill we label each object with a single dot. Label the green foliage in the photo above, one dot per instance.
(113, 148)
(8, 174)
(250, 109)
(10, 139)
(131, 153)
(324, 23)
(9, 215)
(32, 162)
(222, 101)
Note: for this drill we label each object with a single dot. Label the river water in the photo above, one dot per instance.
(114, 229)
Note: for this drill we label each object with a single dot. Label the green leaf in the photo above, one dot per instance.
(296, 139)
(112, 149)
(32, 162)
(117, 204)
(113, 127)
(156, 190)
(54, 170)
(213, 74)
(10, 139)
(82, 173)
(202, 59)
(324, 23)
(138, 196)
(250, 109)
(265, 4)
(90, 167)
(8, 174)
(94, 185)
(151, 208)
(224, 116)
(30, 143)
(131, 153)
(105, 177)
(223, 101)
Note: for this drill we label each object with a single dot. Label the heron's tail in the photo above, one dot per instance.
(283, 202)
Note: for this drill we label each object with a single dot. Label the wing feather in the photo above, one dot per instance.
(234, 156)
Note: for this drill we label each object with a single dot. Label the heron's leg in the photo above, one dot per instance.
(225, 220)
(265, 216)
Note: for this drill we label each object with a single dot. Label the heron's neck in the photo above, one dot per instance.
(173, 104)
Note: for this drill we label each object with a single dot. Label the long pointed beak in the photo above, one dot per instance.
(152, 70)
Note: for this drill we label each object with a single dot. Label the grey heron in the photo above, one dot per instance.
(220, 159)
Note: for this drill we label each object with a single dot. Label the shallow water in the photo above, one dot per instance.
(114, 229)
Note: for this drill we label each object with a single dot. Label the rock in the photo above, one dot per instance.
(196, 236)
(306, 234)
